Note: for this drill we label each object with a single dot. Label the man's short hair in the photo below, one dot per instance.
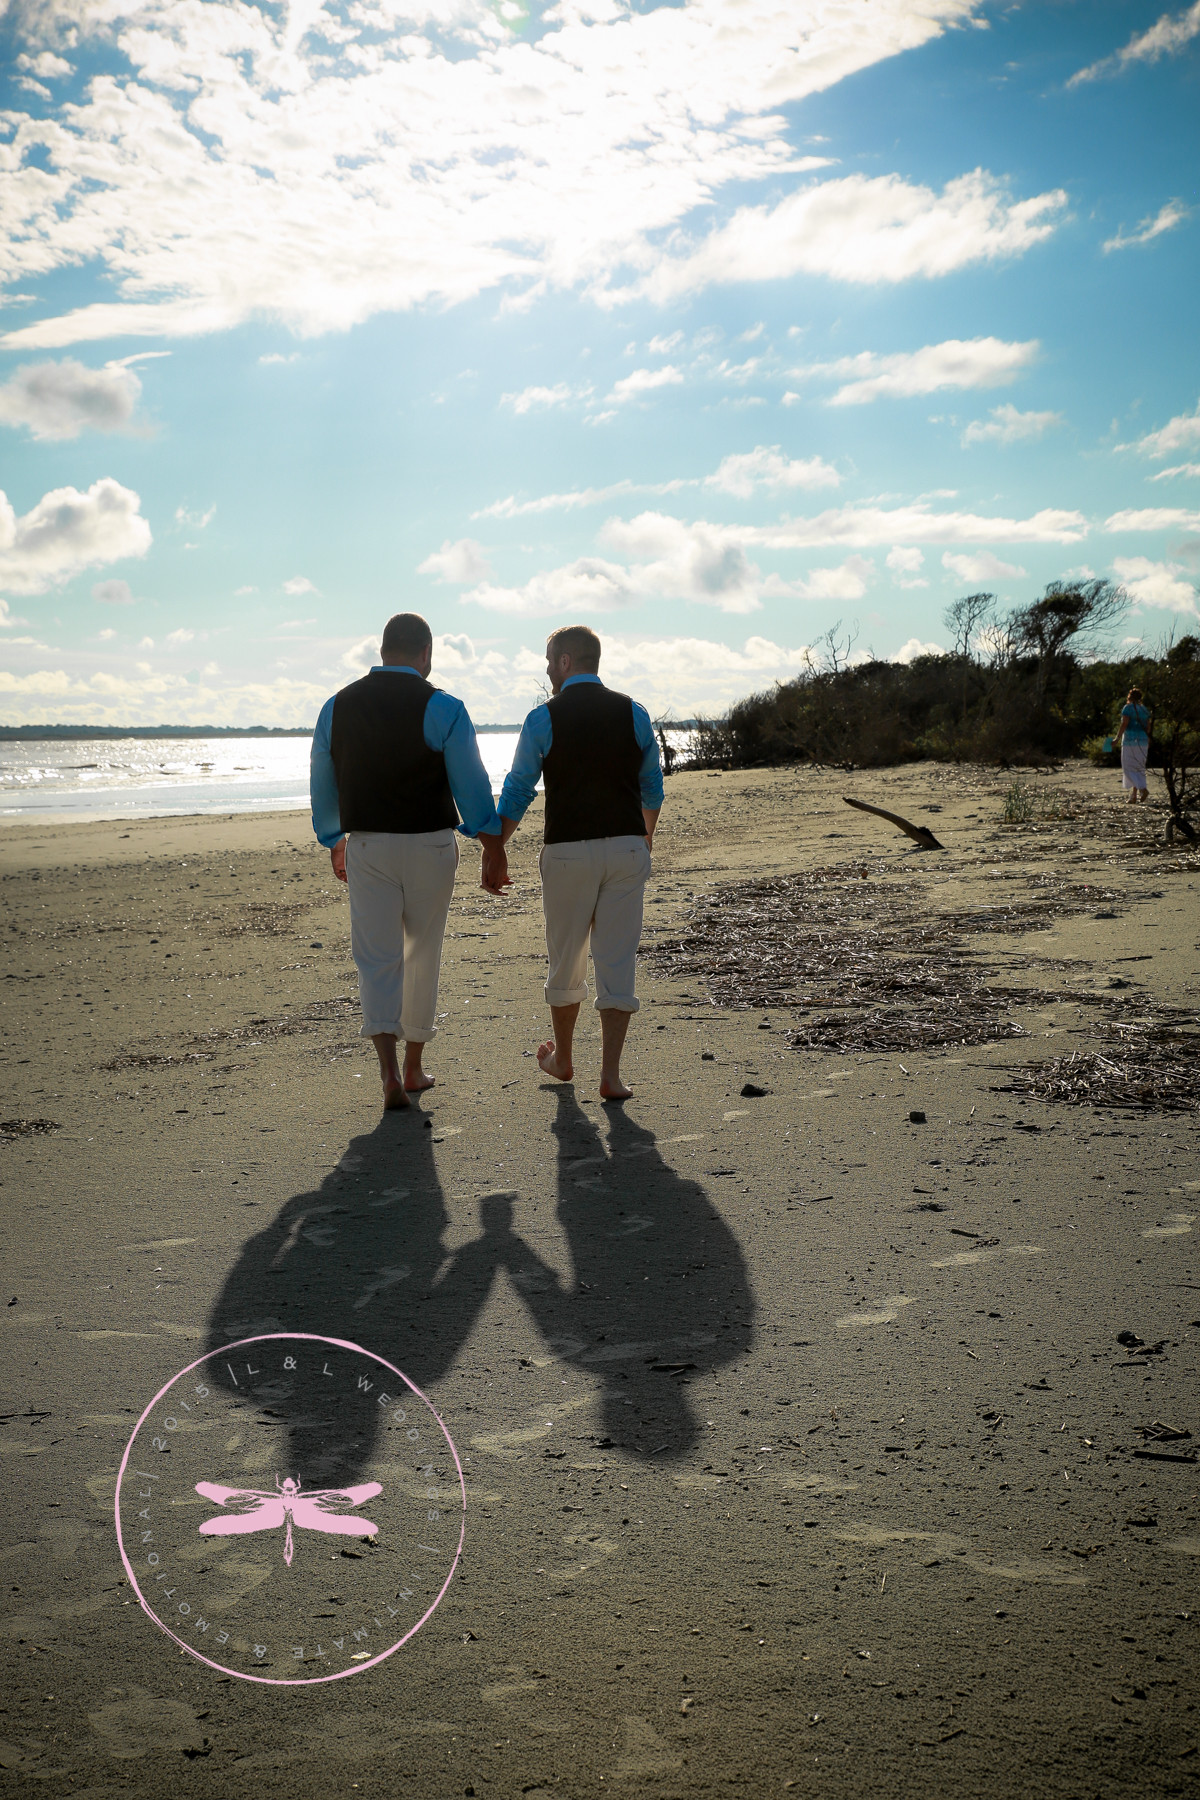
(406, 634)
(579, 642)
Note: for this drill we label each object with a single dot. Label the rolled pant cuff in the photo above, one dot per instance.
(565, 996)
(617, 1003)
(413, 1036)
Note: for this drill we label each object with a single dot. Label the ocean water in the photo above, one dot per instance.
(143, 777)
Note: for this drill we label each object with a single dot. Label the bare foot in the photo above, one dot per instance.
(614, 1090)
(416, 1081)
(550, 1063)
(394, 1097)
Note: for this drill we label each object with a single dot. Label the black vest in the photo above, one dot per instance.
(388, 779)
(593, 767)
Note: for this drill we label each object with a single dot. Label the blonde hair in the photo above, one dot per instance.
(579, 642)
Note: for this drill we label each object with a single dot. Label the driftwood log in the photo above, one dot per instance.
(921, 834)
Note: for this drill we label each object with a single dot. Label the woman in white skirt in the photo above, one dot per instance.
(1134, 735)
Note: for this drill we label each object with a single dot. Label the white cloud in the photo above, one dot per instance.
(707, 563)
(294, 624)
(1153, 518)
(668, 559)
(195, 521)
(866, 525)
(663, 346)
(540, 397)
(301, 142)
(242, 591)
(768, 467)
(462, 561)
(1179, 433)
(983, 566)
(55, 400)
(360, 657)
(106, 634)
(587, 585)
(643, 381)
(180, 636)
(1167, 35)
(143, 696)
(67, 532)
(1165, 219)
(974, 363)
(677, 561)
(908, 653)
(45, 65)
(905, 561)
(512, 508)
(113, 593)
(860, 228)
(1008, 426)
(299, 584)
(1190, 468)
(454, 650)
(742, 474)
(1162, 584)
(274, 357)
(847, 582)
(146, 643)
(695, 675)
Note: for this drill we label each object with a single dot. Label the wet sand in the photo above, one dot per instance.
(800, 1450)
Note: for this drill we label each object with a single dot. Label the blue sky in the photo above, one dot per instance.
(709, 325)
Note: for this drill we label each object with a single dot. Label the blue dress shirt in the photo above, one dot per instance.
(448, 728)
(533, 747)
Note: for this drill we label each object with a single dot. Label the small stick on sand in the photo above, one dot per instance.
(924, 838)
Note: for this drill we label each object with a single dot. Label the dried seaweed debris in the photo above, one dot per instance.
(861, 952)
(1156, 1069)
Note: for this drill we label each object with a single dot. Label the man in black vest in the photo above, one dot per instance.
(597, 753)
(394, 763)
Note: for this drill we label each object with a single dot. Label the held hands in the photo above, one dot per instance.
(337, 857)
(493, 872)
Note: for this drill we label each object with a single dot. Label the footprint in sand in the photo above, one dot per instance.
(963, 1258)
(645, 1753)
(139, 1723)
(389, 1196)
(954, 1551)
(387, 1279)
(1173, 1225)
(891, 1309)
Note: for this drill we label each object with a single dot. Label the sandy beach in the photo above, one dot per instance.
(802, 1447)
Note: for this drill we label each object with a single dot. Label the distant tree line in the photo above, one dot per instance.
(1016, 689)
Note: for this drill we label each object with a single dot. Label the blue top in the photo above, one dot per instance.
(1137, 722)
(448, 728)
(533, 747)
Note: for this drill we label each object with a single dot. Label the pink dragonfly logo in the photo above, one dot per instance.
(262, 1510)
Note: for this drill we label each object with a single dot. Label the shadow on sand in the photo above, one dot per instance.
(659, 1288)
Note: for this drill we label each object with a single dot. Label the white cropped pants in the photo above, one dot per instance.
(593, 890)
(400, 888)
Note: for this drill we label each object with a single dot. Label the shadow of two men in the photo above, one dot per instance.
(658, 1288)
